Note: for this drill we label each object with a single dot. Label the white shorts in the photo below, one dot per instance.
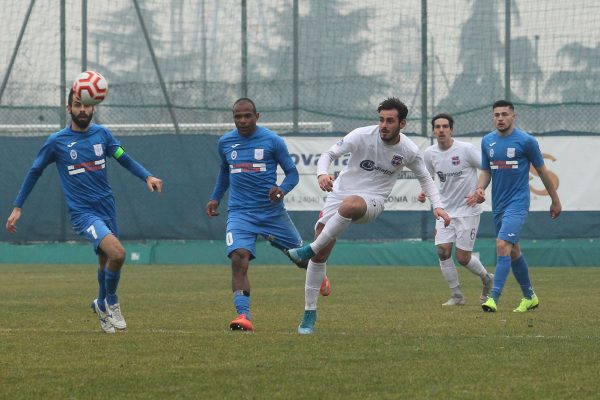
(375, 207)
(462, 231)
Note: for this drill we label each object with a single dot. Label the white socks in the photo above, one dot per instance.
(450, 274)
(333, 228)
(315, 273)
(476, 267)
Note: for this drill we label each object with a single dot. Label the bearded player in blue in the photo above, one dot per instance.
(506, 154)
(250, 155)
(79, 152)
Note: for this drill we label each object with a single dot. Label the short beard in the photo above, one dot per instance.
(81, 124)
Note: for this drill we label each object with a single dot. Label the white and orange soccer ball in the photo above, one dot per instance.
(90, 87)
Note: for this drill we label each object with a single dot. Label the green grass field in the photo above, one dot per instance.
(382, 335)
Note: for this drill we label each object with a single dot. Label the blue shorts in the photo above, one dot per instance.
(243, 229)
(94, 228)
(508, 224)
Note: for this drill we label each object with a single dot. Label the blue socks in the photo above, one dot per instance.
(112, 281)
(500, 275)
(241, 302)
(101, 289)
(521, 272)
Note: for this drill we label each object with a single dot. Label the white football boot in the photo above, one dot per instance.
(455, 301)
(103, 316)
(115, 316)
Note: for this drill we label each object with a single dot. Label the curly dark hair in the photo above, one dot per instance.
(393, 103)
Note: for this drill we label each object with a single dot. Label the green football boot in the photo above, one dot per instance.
(489, 305)
(527, 304)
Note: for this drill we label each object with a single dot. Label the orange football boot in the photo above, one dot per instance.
(241, 323)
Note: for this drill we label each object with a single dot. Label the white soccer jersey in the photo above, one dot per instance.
(373, 166)
(456, 170)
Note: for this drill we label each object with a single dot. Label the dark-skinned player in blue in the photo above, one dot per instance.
(250, 155)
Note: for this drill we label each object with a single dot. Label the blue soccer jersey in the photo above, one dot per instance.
(249, 169)
(80, 159)
(508, 159)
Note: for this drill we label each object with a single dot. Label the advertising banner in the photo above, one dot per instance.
(568, 160)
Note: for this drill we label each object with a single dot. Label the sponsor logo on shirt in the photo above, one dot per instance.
(71, 145)
(442, 176)
(504, 164)
(369, 165)
(86, 166)
(247, 167)
(445, 175)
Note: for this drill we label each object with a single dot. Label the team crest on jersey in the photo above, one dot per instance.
(397, 160)
(259, 154)
(73, 154)
(491, 153)
(455, 160)
(98, 150)
(510, 152)
(233, 155)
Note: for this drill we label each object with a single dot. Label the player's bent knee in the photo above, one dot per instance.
(239, 255)
(118, 254)
(463, 259)
(444, 253)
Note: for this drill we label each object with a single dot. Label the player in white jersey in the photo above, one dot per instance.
(378, 153)
(455, 165)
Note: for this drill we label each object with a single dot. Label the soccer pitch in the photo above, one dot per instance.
(383, 334)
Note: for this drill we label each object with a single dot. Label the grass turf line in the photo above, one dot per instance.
(382, 334)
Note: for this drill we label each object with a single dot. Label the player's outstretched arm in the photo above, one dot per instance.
(154, 183)
(11, 222)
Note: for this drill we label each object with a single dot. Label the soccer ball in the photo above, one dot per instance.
(90, 87)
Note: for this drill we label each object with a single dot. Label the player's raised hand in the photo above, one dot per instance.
(326, 182)
(11, 222)
(441, 213)
(211, 208)
(276, 194)
(422, 197)
(154, 184)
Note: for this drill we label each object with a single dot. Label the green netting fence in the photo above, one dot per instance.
(309, 64)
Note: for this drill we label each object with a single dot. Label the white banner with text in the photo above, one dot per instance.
(566, 159)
